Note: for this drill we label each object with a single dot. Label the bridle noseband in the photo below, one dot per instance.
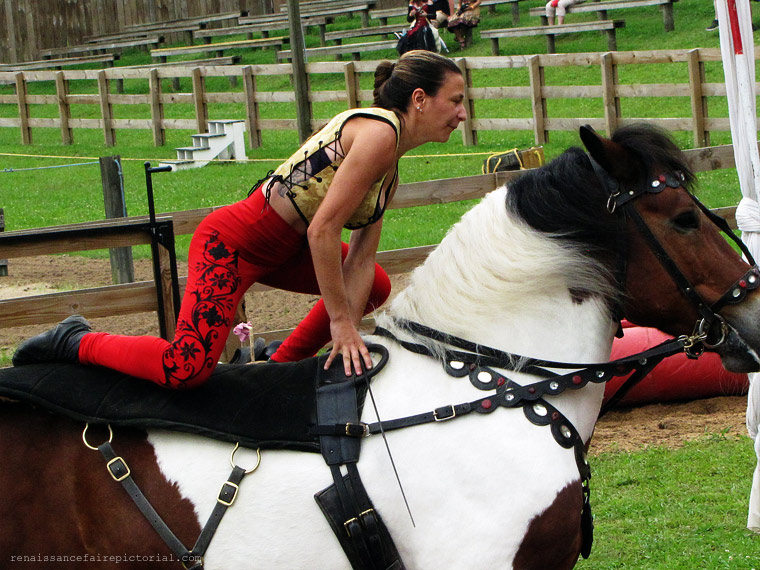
(620, 201)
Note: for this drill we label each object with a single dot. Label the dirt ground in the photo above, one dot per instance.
(623, 430)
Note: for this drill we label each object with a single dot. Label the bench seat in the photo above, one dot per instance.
(262, 28)
(219, 47)
(95, 47)
(601, 8)
(353, 49)
(385, 13)
(106, 59)
(341, 35)
(607, 26)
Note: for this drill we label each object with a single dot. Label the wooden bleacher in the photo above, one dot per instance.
(333, 9)
(219, 48)
(354, 49)
(100, 47)
(607, 26)
(106, 59)
(341, 35)
(384, 14)
(263, 28)
(601, 8)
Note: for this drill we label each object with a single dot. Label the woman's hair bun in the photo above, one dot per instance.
(383, 73)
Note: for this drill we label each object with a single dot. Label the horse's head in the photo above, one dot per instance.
(680, 275)
(627, 203)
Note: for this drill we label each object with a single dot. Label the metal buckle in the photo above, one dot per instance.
(348, 522)
(114, 460)
(451, 417)
(362, 425)
(235, 488)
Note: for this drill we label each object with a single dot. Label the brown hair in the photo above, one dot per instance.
(395, 82)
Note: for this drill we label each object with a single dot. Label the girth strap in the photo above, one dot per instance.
(191, 559)
(346, 505)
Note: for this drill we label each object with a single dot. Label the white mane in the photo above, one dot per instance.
(491, 262)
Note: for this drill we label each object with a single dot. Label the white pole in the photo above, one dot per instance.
(738, 52)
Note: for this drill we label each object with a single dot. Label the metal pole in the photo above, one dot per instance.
(154, 245)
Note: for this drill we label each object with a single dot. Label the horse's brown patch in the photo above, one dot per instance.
(51, 510)
(554, 537)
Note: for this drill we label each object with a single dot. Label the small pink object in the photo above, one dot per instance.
(555, 3)
(243, 331)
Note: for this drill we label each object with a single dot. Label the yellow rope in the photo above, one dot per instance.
(227, 159)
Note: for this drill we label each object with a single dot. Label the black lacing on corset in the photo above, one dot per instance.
(303, 171)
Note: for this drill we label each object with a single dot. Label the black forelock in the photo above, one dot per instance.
(566, 199)
(656, 151)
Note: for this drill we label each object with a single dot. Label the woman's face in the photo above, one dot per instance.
(443, 112)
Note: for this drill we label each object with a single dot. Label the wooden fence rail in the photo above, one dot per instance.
(524, 78)
(141, 297)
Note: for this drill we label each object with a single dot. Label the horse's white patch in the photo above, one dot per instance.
(493, 281)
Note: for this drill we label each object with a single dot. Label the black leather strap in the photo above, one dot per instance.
(190, 559)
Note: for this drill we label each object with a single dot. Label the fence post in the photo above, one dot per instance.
(698, 100)
(23, 109)
(251, 108)
(111, 176)
(156, 108)
(352, 85)
(105, 109)
(538, 103)
(469, 135)
(64, 110)
(199, 100)
(611, 102)
(3, 262)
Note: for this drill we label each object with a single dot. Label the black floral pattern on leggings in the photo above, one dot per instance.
(213, 300)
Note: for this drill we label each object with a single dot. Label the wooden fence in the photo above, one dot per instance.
(524, 79)
(29, 26)
(141, 297)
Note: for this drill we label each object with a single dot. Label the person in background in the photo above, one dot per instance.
(420, 34)
(442, 9)
(560, 8)
(466, 17)
(714, 24)
(287, 234)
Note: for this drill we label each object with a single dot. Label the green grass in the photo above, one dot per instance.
(656, 508)
(683, 509)
(66, 195)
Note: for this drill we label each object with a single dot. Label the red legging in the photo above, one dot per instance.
(233, 248)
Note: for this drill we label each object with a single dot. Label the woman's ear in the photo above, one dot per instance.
(418, 97)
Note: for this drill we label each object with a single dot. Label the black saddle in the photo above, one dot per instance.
(271, 406)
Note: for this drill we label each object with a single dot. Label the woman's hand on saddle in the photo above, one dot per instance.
(348, 342)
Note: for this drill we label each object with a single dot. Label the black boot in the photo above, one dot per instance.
(271, 349)
(59, 344)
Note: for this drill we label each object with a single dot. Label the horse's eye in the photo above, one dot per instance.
(687, 221)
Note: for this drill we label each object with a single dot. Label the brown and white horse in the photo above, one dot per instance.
(541, 269)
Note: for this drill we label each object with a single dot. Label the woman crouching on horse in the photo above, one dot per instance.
(287, 234)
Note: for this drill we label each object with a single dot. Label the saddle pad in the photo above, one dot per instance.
(264, 405)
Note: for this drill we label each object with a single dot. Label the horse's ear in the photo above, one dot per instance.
(608, 154)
